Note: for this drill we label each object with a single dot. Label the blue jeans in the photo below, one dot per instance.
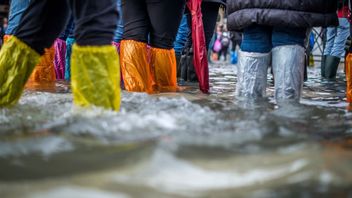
(262, 39)
(182, 35)
(17, 8)
(119, 30)
(336, 38)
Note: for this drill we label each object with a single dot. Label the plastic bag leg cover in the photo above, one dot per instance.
(288, 66)
(17, 61)
(44, 71)
(163, 64)
(349, 77)
(95, 76)
(136, 71)
(69, 43)
(59, 60)
(252, 69)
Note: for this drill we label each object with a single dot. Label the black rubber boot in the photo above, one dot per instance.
(322, 68)
(331, 65)
(178, 57)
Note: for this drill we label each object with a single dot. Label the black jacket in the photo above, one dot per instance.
(284, 13)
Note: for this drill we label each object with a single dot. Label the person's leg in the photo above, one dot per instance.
(338, 49)
(253, 62)
(288, 62)
(180, 42)
(119, 30)
(95, 67)
(17, 9)
(165, 17)
(40, 25)
(210, 12)
(135, 66)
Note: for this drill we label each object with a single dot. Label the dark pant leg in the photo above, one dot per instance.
(136, 20)
(210, 12)
(42, 23)
(95, 21)
(165, 17)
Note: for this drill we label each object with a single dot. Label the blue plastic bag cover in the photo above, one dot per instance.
(234, 57)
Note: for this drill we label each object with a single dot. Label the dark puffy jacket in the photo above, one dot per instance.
(222, 2)
(284, 13)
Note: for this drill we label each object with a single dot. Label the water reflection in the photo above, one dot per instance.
(179, 145)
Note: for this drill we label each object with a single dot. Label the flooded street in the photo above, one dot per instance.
(179, 145)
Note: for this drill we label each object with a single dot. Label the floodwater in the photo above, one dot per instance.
(179, 145)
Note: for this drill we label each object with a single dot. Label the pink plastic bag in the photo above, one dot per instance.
(217, 45)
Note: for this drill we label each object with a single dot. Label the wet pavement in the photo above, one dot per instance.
(177, 145)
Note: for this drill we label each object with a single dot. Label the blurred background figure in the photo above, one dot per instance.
(335, 42)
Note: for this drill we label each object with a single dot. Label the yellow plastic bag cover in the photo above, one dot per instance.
(136, 71)
(95, 76)
(163, 63)
(44, 71)
(349, 77)
(17, 61)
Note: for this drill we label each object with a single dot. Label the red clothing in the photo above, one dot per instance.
(343, 12)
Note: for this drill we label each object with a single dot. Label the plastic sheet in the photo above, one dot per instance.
(69, 43)
(288, 66)
(349, 77)
(44, 71)
(60, 59)
(135, 65)
(17, 61)
(96, 76)
(163, 63)
(252, 74)
(200, 51)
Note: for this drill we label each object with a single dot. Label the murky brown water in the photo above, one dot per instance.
(179, 145)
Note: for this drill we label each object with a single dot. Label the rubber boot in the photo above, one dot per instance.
(95, 76)
(17, 61)
(349, 78)
(331, 66)
(163, 64)
(322, 67)
(135, 65)
(252, 70)
(288, 65)
(178, 66)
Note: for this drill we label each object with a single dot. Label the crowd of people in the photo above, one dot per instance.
(147, 45)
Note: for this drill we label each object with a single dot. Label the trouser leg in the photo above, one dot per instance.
(42, 23)
(95, 21)
(210, 12)
(165, 17)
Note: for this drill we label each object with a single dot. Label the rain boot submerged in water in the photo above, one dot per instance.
(288, 66)
(135, 66)
(331, 66)
(96, 76)
(252, 74)
(17, 61)
(163, 63)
